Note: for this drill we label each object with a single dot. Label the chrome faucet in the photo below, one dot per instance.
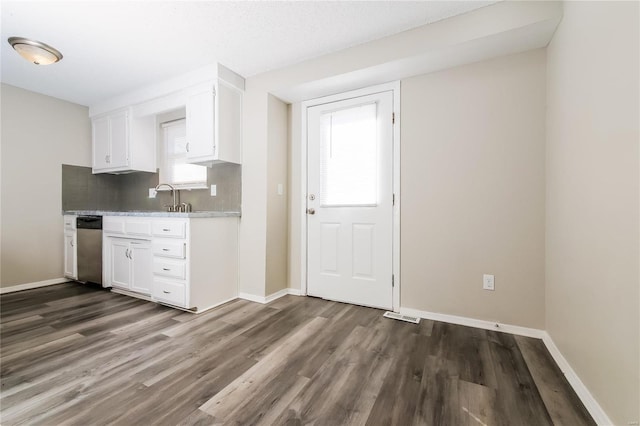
(174, 192)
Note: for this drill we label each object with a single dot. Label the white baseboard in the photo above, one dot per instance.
(271, 297)
(590, 403)
(252, 297)
(471, 322)
(215, 305)
(29, 286)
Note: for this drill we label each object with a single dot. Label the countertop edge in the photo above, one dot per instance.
(198, 214)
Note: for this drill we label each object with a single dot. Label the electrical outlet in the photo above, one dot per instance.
(214, 190)
(488, 282)
(152, 193)
(280, 189)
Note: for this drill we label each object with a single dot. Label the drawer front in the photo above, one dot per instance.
(169, 229)
(113, 225)
(169, 249)
(169, 269)
(138, 227)
(170, 292)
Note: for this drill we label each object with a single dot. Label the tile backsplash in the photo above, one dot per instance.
(82, 190)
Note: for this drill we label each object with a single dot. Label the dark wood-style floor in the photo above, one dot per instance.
(72, 354)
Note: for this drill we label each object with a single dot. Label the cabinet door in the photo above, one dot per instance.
(119, 128)
(101, 143)
(120, 262)
(200, 125)
(141, 258)
(70, 262)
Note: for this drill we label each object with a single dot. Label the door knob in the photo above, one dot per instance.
(311, 211)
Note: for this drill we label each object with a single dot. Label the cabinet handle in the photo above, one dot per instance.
(187, 147)
(126, 253)
(166, 269)
(166, 230)
(107, 159)
(166, 292)
(71, 242)
(165, 249)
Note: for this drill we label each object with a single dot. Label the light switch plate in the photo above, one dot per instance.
(152, 193)
(214, 190)
(280, 189)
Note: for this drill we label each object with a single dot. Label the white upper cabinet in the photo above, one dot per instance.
(125, 128)
(123, 143)
(214, 124)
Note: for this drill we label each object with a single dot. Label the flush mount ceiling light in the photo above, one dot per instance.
(35, 51)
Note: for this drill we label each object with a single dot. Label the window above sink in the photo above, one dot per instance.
(174, 166)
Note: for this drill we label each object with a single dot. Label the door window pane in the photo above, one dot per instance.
(349, 157)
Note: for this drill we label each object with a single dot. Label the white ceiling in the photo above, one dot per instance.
(112, 47)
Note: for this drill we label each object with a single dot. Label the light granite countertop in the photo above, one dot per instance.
(195, 214)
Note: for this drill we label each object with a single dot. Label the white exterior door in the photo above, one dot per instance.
(350, 200)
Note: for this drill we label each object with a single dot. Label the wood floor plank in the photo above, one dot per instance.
(248, 384)
(477, 404)
(78, 355)
(517, 394)
(563, 405)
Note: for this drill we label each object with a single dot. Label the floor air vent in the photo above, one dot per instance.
(406, 318)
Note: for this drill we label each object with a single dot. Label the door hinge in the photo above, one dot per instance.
(393, 118)
(393, 199)
(393, 280)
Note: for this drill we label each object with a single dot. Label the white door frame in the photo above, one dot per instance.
(395, 88)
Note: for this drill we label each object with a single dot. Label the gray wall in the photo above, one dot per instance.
(472, 190)
(277, 215)
(39, 133)
(592, 255)
(82, 190)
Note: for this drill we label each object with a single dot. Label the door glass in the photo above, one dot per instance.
(349, 157)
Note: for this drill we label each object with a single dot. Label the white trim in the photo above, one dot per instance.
(276, 295)
(393, 87)
(252, 297)
(396, 190)
(471, 322)
(271, 297)
(29, 286)
(294, 291)
(139, 296)
(303, 197)
(199, 311)
(590, 403)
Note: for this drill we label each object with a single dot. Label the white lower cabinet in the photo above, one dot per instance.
(190, 263)
(70, 258)
(129, 264)
(70, 250)
(171, 292)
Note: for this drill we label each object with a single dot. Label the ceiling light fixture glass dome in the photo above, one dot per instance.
(35, 51)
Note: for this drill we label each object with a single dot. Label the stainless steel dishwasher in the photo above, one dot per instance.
(89, 249)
